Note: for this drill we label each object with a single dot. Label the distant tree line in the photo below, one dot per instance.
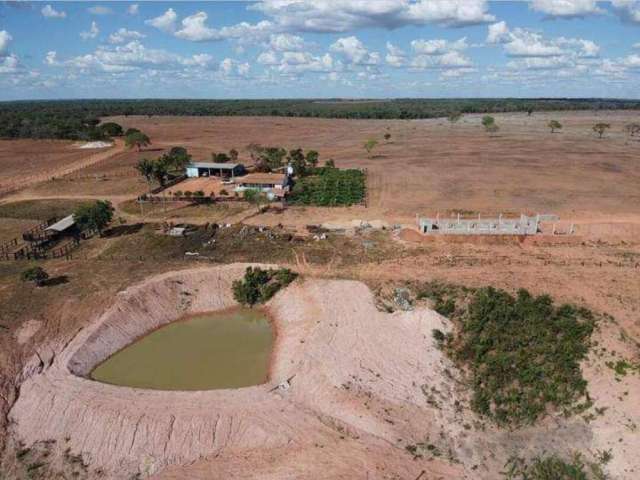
(80, 119)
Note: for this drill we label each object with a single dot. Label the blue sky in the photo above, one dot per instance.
(320, 48)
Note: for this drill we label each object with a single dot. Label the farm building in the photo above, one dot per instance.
(212, 169)
(276, 183)
(480, 226)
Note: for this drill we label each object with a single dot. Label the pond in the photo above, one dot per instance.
(228, 349)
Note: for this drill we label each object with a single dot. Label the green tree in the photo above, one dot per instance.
(94, 216)
(313, 158)
(488, 121)
(554, 125)
(137, 139)
(129, 131)
(220, 157)
(145, 168)
(35, 274)
(161, 170)
(112, 129)
(369, 145)
(178, 158)
(255, 197)
(233, 154)
(601, 128)
(297, 160)
(632, 129)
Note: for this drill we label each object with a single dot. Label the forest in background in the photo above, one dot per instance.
(77, 119)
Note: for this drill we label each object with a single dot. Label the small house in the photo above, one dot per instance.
(275, 183)
(213, 169)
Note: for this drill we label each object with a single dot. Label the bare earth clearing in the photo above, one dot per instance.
(338, 419)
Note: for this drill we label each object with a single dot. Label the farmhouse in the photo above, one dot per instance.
(212, 169)
(276, 183)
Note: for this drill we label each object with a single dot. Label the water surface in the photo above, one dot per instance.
(227, 349)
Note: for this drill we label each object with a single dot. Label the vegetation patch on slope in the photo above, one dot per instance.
(259, 285)
(523, 354)
(552, 467)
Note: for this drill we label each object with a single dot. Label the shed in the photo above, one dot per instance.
(213, 169)
(62, 225)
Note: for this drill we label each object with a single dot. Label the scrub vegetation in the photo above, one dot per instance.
(523, 353)
(258, 285)
(552, 467)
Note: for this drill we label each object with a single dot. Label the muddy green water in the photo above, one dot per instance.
(228, 349)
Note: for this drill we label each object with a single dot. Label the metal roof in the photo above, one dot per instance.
(266, 178)
(219, 166)
(62, 225)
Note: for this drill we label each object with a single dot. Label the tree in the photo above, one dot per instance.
(137, 139)
(554, 125)
(161, 170)
(270, 158)
(387, 137)
(129, 131)
(94, 216)
(330, 163)
(255, 197)
(220, 157)
(601, 128)
(313, 158)
(454, 117)
(493, 128)
(35, 274)
(529, 111)
(369, 145)
(233, 154)
(297, 160)
(145, 168)
(488, 121)
(178, 158)
(112, 129)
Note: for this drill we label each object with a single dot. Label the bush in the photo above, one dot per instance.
(552, 467)
(36, 274)
(258, 286)
(523, 353)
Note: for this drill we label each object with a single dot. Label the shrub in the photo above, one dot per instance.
(224, 193)
(258, 286)
(36, 274)
(552, 467)
(523, 354)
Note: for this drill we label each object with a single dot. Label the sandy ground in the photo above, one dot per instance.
(364, 385)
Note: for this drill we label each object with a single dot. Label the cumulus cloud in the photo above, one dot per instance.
(628, 10)
(231, 68)
(91, 33)
(9, 64)
(133, 9)
(521, 42)
(123, 35)
(194, 28)
(285, 42)
(346, 15)
(268, 58)
(449, 60)
(133, 56)
(437, 46)
(566, 8)
(50, 12)
(5, 39)
(51, 58)
(165, 22)
(99, 10)
(353, 50)
(396, 57)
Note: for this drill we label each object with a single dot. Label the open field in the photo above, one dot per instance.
(358, 424)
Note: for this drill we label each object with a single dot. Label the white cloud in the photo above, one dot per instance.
(268, 58)
(165, 22)
(50, 12)
(520, 42)
(285, 42)
(194, 28)
(5, 39)
(51, 58)
(123, 35)
(9, 64)
(295, 63)
(354, 51)
(449, 60)
(133, 9)
(636, 45)
(437, 46)
(231, 68)
(91, 33)
(99, 10)
(346, 15)
(396, 57)
(566, 8)
(133, 56)
(628, 10)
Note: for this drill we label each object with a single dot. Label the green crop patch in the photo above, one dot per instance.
(330, 187)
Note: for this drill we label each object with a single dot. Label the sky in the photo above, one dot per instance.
(320, 49)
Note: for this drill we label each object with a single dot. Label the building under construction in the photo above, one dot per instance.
(524, 225)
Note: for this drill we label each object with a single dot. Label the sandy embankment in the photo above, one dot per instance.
(365, 385)
(355, 400)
